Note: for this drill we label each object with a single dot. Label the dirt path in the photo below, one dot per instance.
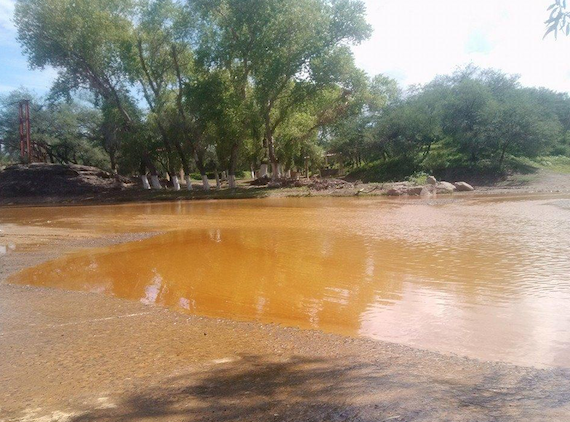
(69, 356)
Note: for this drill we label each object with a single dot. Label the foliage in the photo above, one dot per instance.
(473, 119)
(226, 85)
(61, 132)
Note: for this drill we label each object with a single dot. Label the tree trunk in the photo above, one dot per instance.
(271, 147)
(113, 161)
(263, 171)
(233, 165)
(155, 182)
(205, 182)
(146, 163)
(218, 183)
(188, 183)
(202, 169)
(503, 151)
(145, 183)
(175, 182)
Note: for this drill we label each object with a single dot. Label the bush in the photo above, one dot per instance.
(418, 178)
(390, 170)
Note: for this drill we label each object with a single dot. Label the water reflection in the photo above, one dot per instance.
(481, 277)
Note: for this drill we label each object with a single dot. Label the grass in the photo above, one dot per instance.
(554, 163)
(557, 164)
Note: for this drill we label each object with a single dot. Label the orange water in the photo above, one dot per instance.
(483, 277)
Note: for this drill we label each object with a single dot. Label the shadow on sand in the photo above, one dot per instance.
(255, 388)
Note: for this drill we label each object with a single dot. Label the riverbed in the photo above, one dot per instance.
(485, 277)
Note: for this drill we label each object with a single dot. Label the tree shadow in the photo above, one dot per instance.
(257, 388)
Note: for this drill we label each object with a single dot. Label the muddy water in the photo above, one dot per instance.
(483, 277)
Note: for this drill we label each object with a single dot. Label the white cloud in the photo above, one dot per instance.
(416, 40)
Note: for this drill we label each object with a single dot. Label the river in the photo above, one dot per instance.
(484, 277)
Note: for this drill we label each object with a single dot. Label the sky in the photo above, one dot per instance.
(413, 41)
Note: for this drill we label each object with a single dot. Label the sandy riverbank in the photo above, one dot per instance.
(73, 356)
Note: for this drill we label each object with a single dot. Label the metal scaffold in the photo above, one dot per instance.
(26, 152)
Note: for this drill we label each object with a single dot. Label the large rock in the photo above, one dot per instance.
(463, 187)
(397, 191)
(415, 190)
(431, 180)
(445, 187)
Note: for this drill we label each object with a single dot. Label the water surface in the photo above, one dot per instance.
(478, 276)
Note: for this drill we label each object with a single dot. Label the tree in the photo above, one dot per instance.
(521, 126)
(288, 51)
(111, 133)
(352, 135)
(151, 64)
(61, 132)
(217, 107)
(82, 39)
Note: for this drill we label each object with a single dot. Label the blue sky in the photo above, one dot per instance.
(413, 41)
(14, 70)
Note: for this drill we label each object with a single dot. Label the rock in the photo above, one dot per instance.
(463, 187)
(273, 185)
(415, 190)
(261, 181)
(445, 187)
(395, 192)
(329, 183)
(431, 180)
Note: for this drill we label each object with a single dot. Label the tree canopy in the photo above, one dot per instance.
(216, 86)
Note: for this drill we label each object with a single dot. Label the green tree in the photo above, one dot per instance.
(61, 132)
(288, 51)
(151, 65)
(522, 127)
(82, 39)
(352, 136)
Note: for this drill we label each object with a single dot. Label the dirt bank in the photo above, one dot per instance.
(46, 180)
(69, 356)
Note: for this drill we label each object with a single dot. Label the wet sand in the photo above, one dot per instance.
(74, 356)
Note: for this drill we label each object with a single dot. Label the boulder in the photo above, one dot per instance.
(431, 180)
(445, 187)
(274, 185)
(463, 187)
(415, 190)
(395, 192)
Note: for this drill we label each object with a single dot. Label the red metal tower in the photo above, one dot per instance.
(25, 141)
